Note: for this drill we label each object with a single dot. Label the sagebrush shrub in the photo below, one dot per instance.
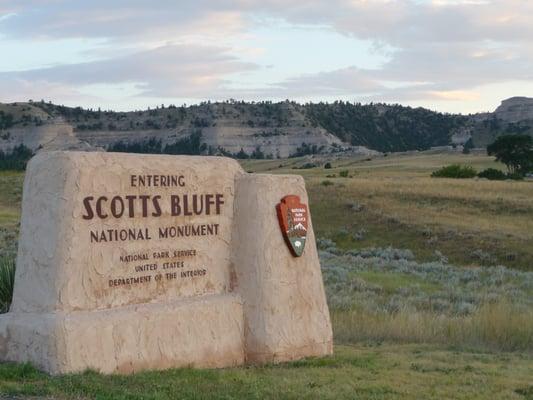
(437, 286)
(385, 294)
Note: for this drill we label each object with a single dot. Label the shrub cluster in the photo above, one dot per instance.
(7, 281)
(307, 166)
(492, 174)
(6, 120)
(306, 149)
(456, 171)
(431, 286)
(385, 294)
(189, 145)
(16, 160)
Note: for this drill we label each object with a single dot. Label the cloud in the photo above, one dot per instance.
(455, 95)
(402, 23)
(342, 82)
(118, 20)
(441, 49)
(421, 72)
(397, 22)
(18, 89)
(166, 71)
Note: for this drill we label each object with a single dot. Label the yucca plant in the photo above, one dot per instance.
(7, 281)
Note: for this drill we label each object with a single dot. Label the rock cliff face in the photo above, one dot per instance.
(513, 116)
(280, 142)
(271, 129)
(515, 109)
(278, 130)
(34, 136)
(54, 135)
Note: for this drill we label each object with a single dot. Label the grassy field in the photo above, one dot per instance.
(429, 283)
(386, 295)
(393, 201)
(410, 258)
(353, 372)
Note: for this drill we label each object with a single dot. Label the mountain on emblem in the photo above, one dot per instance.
(300, 226)
(293, 217)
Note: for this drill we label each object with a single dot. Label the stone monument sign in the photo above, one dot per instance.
(129, 262)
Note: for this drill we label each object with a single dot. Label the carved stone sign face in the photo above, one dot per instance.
(292, 216)
(126, 230)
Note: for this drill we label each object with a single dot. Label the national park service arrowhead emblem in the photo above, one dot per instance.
(293, 217)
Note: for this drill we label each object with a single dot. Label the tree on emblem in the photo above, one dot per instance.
(293, 217)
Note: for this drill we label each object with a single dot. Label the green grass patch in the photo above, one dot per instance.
(390, 283)
(361, 372)
(8, 216)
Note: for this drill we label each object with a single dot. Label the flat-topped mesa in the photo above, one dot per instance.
(515, 109)
(129, 262)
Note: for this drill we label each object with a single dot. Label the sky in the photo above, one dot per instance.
(448, 55)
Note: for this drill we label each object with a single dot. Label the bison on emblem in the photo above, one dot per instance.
(292, 216)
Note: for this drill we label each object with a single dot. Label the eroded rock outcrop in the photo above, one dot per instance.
(515, 109)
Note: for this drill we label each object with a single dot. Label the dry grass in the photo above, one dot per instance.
(486, 207)
(396, 203)
(403, 207)
(498, 327)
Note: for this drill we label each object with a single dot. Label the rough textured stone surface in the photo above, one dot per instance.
(200, 332)
(250, 300)
(515, 109)
(35, 137)
(58, 266)
(285, 309)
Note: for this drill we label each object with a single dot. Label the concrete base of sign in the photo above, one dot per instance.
(198, 332)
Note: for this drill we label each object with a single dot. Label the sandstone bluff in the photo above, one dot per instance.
(263, 129)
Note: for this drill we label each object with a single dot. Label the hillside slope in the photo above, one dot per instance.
(275, 130)
(386, 127)
(279, 129)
